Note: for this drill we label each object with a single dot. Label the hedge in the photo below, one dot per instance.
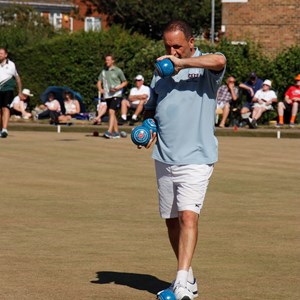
(75, 60)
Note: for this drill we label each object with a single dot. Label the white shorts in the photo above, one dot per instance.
(181, 187)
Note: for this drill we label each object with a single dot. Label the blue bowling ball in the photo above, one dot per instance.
(150, 123)
(164, 67)
(166, 295)
(140, 135)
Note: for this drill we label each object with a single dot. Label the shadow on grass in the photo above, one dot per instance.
(137, 281)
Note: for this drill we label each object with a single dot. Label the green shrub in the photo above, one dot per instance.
(75, 60)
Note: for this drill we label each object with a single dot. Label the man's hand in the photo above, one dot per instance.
(152, 140)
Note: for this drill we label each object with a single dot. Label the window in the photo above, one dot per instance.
(55, 19)
(93, 24)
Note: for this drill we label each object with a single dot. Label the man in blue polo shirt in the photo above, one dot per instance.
(251, 86)
(186, 148)
(8, 79)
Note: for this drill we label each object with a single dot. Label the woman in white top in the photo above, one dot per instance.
(18, 106)
(72, 107)
(263, 100)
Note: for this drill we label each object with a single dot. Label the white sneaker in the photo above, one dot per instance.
(193, 287)
(182, 293)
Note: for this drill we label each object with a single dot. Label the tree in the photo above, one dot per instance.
(149, 17)
(22, 26)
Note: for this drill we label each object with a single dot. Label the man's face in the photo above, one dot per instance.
(177, 45)
(3, 55)
(109, 61)
(297, 83)
(139, 83)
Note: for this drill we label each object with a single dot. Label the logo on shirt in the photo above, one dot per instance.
(194, 75)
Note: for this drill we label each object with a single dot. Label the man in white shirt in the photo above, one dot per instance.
(138, 97)
(9, 77)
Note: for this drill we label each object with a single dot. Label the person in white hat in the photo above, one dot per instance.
(263, 100)
(138, 97)
(19, 105)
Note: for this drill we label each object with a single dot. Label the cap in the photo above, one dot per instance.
(252, 75)
(139, 77)
(27, 92)
(297, 77)
(268, 82)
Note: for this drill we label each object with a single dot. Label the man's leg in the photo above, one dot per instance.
(138, 109)
(188, 236)
(294, 113)
(111, 120)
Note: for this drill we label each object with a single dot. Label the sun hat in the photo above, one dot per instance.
(268, 82)
(27, 92)
(297, 77)
(139, 77)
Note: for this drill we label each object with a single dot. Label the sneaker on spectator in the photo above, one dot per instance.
(279, 125)
(193, 287)
(132, 122)
(121, 121)
(182, 293)
(25, 117)
(116, 135)
(292, 124)
(254, 124)
(107, 134)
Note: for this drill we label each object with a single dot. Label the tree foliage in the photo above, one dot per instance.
(149, 17)
(21, 26)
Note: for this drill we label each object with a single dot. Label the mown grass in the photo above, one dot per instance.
(79, 220)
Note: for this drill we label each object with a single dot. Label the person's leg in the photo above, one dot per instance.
(280, 110)
(294, 112)
(138, 109)
(100, 113)
(258, 113)
(125, 104)
(6, 99)
(111, 120)
(44, 115)
(225, 114)
(5, 117)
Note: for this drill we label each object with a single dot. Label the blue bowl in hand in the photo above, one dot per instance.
(164, 67)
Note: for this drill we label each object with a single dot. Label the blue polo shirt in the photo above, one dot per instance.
(255, 87)
(185, 107)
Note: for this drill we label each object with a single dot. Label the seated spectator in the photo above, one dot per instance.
(290, 104)
(138, 97)
(262, 101)
(18, 106)
(101, 110)
(51, 108)
(72, 108)
(251, 86)
(225, 95)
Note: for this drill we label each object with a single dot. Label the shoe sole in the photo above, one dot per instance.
(4, 135)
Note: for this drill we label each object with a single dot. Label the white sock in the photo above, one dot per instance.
(191, 277)
(134, 117)
(181, 278)
(124, 117)
(4, 129)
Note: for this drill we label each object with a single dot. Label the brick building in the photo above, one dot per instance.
(73, 15)
(272, 23)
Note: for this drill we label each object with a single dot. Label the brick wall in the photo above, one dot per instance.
(275, 24)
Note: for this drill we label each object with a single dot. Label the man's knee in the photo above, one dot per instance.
(188, 218)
